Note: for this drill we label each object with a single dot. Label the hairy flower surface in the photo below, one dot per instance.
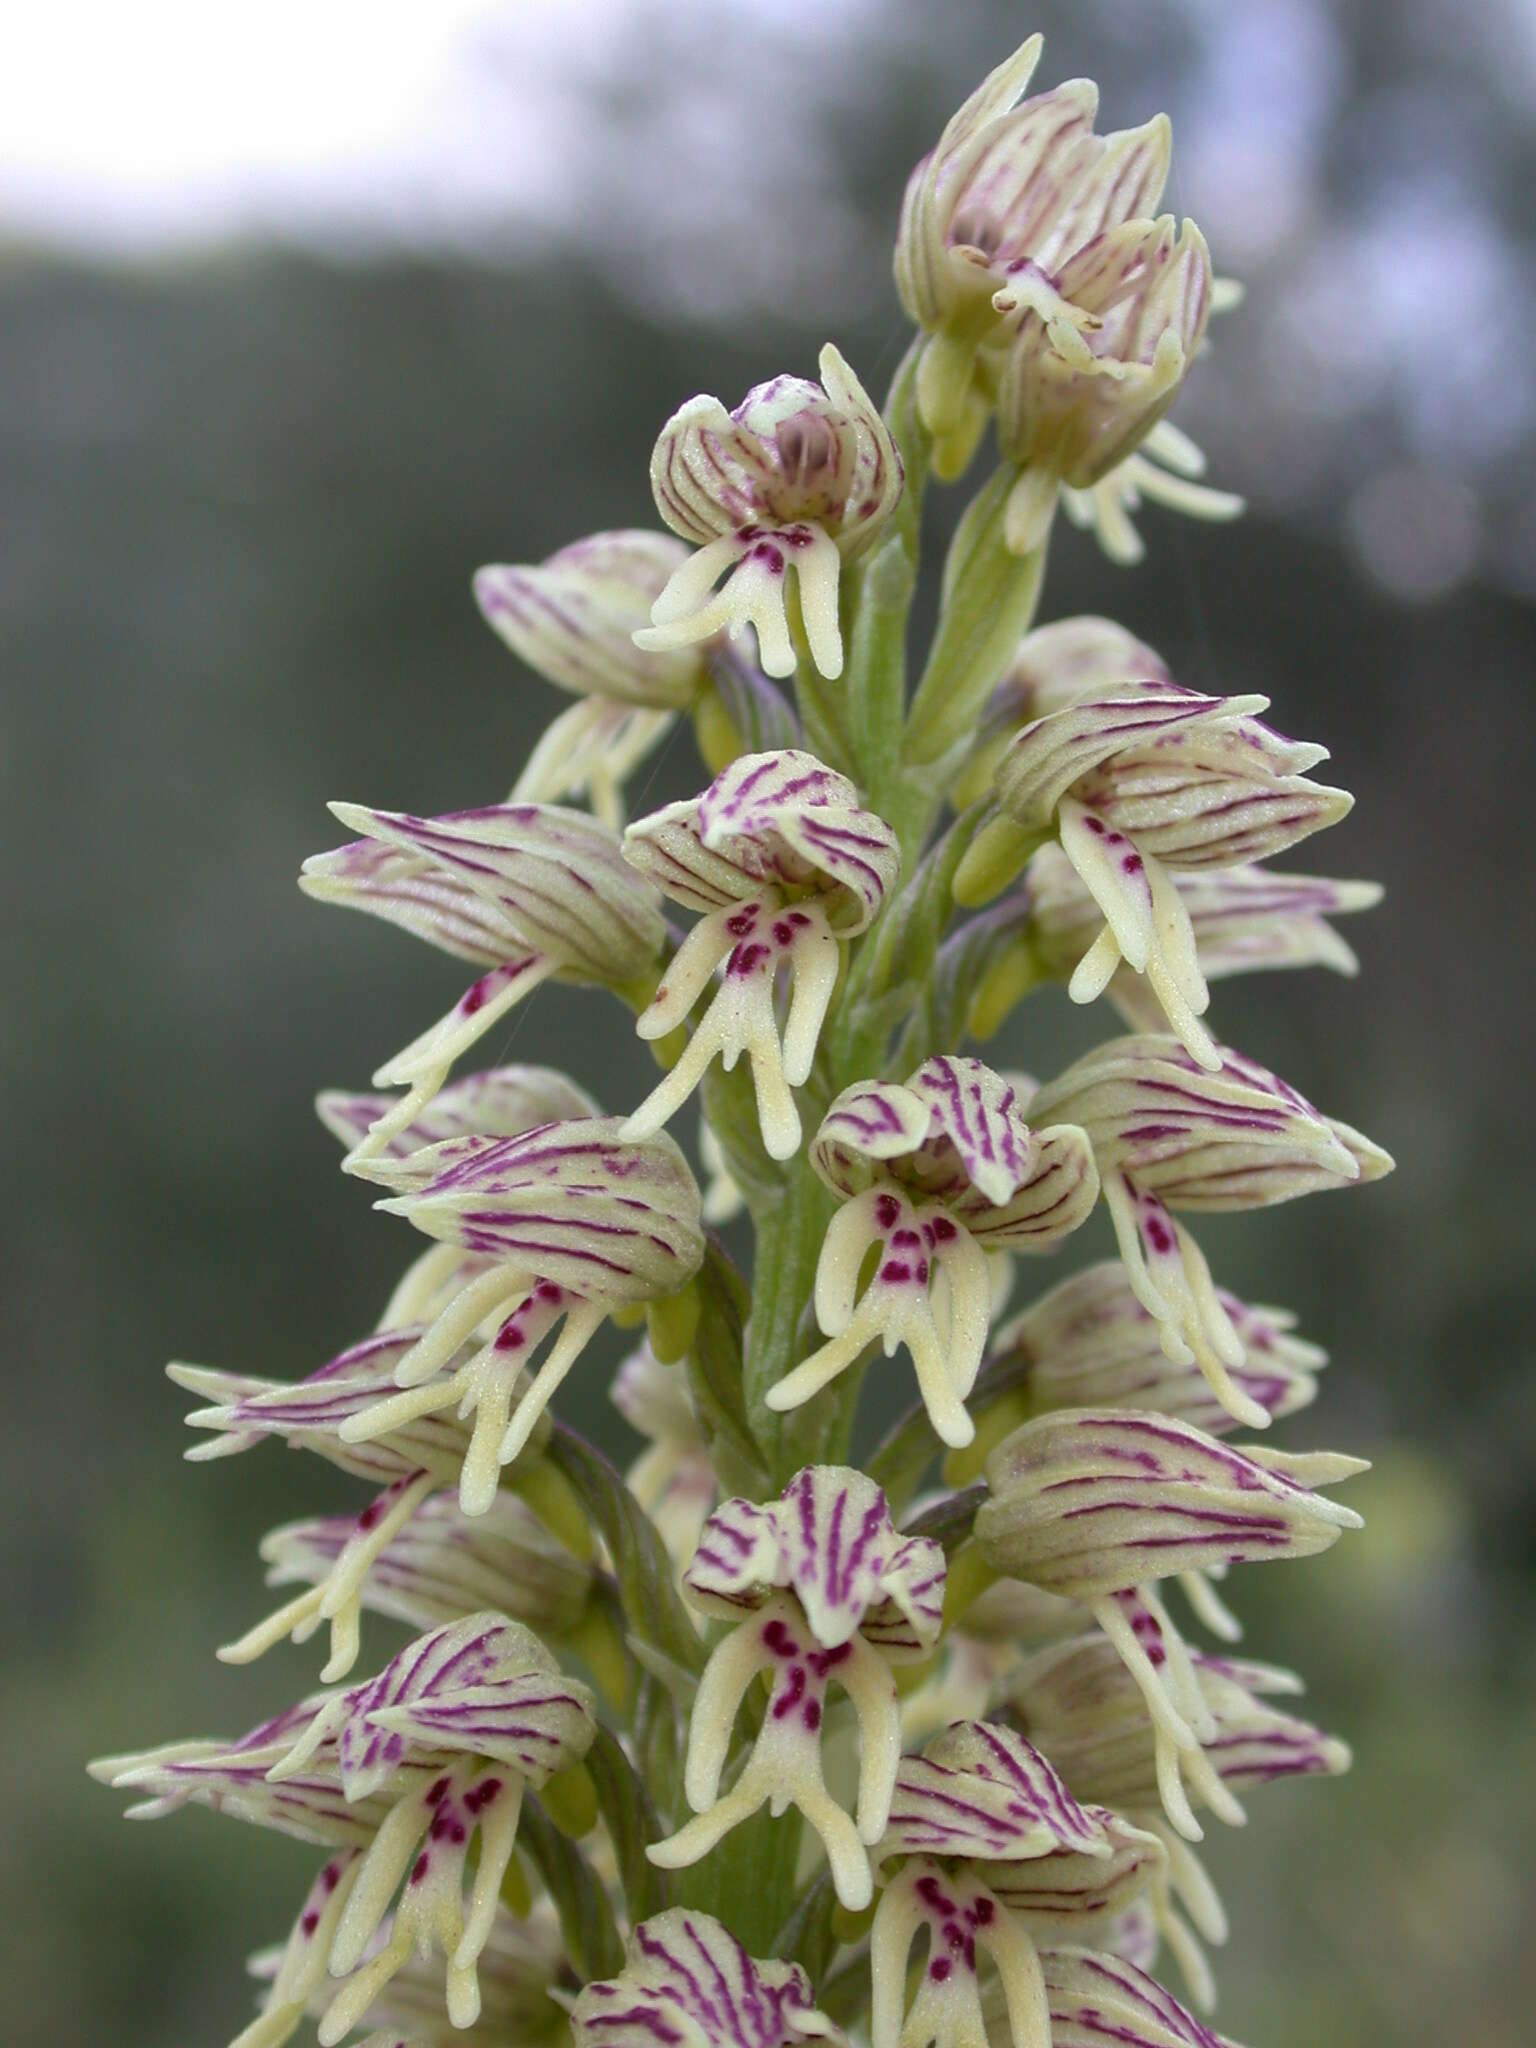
(800, 476)
(831, 1593)
(1168, 1134)
(784, 863)
(525, 891)
(1099, 1504)
(687, 1979)
(936, 1173)
(401, 1772)
(573, 1222)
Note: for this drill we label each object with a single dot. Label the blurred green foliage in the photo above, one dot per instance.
(241, 504)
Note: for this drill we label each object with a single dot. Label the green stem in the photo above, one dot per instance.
(989, 600)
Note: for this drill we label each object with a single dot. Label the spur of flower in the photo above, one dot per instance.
(799, 476)
(785, 864)
(822, 1589)
(1139, 779)
(1100, 1504)
(935, 1172)
(397, 1776)
(522, 891)
(1169, 1134)
(573, 619)
(572, 1222)
(686, 1978)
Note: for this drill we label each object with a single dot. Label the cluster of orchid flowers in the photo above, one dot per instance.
(968, 1739)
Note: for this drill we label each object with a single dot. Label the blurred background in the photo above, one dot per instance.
(305, 312)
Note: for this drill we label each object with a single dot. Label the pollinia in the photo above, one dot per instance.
(755, 1744)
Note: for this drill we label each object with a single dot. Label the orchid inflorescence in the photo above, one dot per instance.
(758, 1745)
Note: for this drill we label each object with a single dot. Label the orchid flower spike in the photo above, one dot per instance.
(398, 1774)
(524, 891)
(784, 863)
(936, 1173)
(979, 1804)
(687, 1979)
(573, 1223)
(1139, 778)
(1100, 1504)
(822, 1588)
(801, 476)
(1168, 1134)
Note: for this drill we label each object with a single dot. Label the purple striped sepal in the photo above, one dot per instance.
(935, 1174)
(1168, 1134)
(1088, 1502)
(955, 1133)
(800, 476)
(482, 1686)
(524, 891)
(502, 1102)
(571, 1202)
(784, 863)
(1138, 785)
(830, 1541)
(1090, 1713)
(1089, 1343)
(982, 1793)
(231, 1777)
(242, 1411)
(687, 1979)
(1095, 1999)
(771, 821)
(573, 618)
